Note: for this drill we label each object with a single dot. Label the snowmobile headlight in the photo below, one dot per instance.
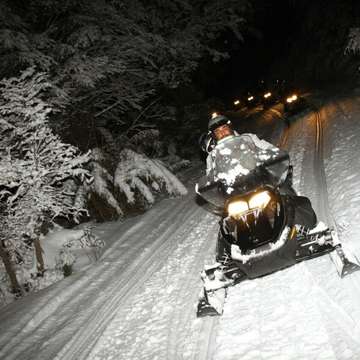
(292, 98)
(268, 94)
(250, 98)
(259, 200)
(236, 208)
(236, 102)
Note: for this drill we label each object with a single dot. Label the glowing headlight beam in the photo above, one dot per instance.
(236, 208)
(250, 98)
(268, 94)
(259, 200)
(292, 98)
(236, 102)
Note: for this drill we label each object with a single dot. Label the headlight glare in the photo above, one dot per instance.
(236, 208)
(259, 200)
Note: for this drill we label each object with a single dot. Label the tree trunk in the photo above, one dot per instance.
(39, 257)
(10, 271)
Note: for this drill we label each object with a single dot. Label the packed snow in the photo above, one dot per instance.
(138, 301)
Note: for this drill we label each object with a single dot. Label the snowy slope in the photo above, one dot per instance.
(138, 302)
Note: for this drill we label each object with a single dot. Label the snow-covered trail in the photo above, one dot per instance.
(306, 311)
(142, 293)
(139, 300)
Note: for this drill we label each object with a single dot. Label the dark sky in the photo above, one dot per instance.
(274, 24)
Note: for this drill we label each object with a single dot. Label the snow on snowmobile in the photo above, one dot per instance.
(265, 226)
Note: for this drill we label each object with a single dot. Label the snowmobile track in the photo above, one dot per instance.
(80, 342)
(37, 322)
(183, 319)
(178, 291)
(319, 171)
(128, 284)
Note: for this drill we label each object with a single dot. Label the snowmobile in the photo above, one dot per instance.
(294, 103)
(264, 225)
(269, 99)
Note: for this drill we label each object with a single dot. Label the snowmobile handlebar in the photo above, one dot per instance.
(283, 157)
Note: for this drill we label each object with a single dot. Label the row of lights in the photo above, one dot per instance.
(267, 95)
(250, 98)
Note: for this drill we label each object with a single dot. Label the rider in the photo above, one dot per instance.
(220, 131)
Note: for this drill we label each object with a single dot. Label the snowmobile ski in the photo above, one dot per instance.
(211, 303)
(344, 260)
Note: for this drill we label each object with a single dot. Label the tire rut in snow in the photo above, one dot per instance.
(129, 282)
(57, 311)
(161, 321)
(78, 316)
(332, 292)
(319, 171)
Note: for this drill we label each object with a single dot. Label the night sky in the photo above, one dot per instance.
(300, 41)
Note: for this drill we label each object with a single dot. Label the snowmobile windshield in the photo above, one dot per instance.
(241, 164)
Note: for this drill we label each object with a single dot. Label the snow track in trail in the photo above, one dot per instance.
(70, 324)
(339, 299)
(139, 300)
(161, 317)
(306, 311)
(60, 307)
(129, 282)
(323, 210)
(274, 318)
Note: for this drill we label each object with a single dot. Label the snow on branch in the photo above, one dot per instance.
(138, 175)
(101, 186)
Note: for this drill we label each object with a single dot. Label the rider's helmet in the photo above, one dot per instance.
(220, 127)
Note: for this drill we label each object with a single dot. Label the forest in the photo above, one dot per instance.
(89, 112)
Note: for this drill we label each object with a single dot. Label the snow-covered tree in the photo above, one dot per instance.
(131, 183)
(137, 175)
(34, 167)
(112, 57)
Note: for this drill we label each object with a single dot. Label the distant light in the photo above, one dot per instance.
(250, 98)
(292, 98)
(268, 94)
(236, 102)
(214, 115)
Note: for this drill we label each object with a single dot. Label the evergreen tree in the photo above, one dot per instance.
(34, 167)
